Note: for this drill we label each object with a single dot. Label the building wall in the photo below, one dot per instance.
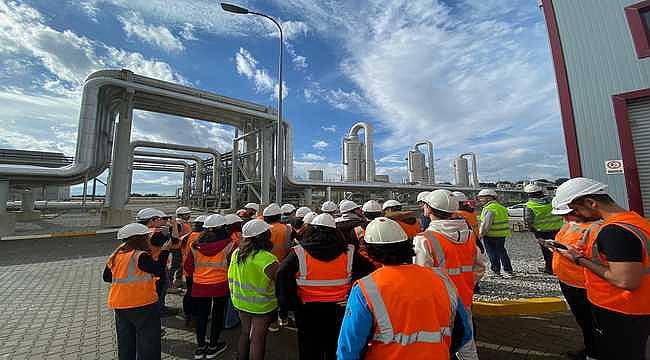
(601, 61)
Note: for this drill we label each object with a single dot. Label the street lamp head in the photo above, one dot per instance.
(234, 8)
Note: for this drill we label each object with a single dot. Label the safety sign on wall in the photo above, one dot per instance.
(614, 167)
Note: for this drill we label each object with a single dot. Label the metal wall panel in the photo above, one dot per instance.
(601, 61)
(639, 118)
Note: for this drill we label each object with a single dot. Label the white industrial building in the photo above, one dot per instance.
(601, 54)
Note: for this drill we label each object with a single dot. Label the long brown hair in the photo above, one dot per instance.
(135, 242)
(251, 245)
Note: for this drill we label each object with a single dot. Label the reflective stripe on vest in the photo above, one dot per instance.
(385, 332)
(302, 265)
(257, 299)
(130, 273)
(251, 289)
(440, 256)
(211, 264)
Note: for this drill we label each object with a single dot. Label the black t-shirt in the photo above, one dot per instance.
(619, 244)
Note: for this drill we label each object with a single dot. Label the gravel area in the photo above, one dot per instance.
(526, 258)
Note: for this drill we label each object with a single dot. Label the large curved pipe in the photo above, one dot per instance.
(187, 172)
(475, 182)
(431, 160)
(370, 157)
(200, 167)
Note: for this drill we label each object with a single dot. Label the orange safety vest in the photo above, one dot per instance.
(413, 309)
(235, 237)
(410, 229)
(605, 295)
(280, 237)
(187, 243)
(130, 287)
(185, 229)
(574, 234)
(471, 219)
(457, 260)
(323, 281)
(211, 269)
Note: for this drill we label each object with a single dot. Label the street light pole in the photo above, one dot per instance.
(279, 158)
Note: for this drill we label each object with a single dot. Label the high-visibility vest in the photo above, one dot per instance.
(251, 290)
(457, 260)
(544, 220)
(500, 225)
(413, 309)
(605, 295)
(471, 219)
(130, 287)
(210, 269)
(576, 235)
(235, 237)
(186, 244)
(280, 237)
(323, 281)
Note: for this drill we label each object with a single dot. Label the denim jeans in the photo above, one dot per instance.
(138, 332)
(496, 250)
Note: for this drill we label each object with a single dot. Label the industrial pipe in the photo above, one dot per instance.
(187, 172)
(475, 182)
(368, 143)
(431, 160)
(200, 168)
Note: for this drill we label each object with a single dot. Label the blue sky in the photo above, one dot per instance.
(469, 75)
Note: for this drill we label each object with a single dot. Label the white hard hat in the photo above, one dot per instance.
(328, 206)
(347, 206)
(302, 211)
(488, 192)
(422, 195)
(148, 213)
(287, 208)
(459, 196)
(324, 220)
(578, 187)
(231, 219)
(383, 230)
(183, 210)
(214, 220)
(371, 206)
(200, 219)
(390, 203)
(532, 188)
(561, 210)
(132, 229)
(272, 210)
(254, 228)
(253, 206)
(442, 200)
(309, 217)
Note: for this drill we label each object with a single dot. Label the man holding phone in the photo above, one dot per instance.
(616, 265)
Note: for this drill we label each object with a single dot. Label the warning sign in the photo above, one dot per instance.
(613, 167)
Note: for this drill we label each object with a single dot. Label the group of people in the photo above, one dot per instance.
(376, 281)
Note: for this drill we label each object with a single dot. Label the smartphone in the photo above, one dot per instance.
(556, 245)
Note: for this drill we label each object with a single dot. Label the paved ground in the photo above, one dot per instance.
(53, 306)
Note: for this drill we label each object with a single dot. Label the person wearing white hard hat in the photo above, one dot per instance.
(207, 263)
(616, 267)
(299, 223)
(466, 211)
(175, 272)
(540, 220)
(494, 229)
(449, 244)
(306, 222)
(424, 220)
(251, 274)
(288, 213)
(371, 209)
(574, 232)
(131, 270)
(186, 244)
(408, 220)
(233, 227)
(351, 218)
(388, 307)
(281, 234)
(329, 207)
(252, 210)
(313, 280)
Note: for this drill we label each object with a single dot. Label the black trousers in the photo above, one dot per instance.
(175, 271)
(138, 332)
(187, 298)
(319, 325)
(581, 309)
(546, 252)
(620, 336)
(204, 307)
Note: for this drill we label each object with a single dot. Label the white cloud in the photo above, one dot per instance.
(156, 35)
(90, 8)
(331, 128)
(312, 157)
(320, 145)
(292, 29)
(394, 158)
(247, 66)
(187, 32)
(338, 98)
(300, 62)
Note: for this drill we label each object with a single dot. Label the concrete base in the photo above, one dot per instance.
(113, 217)
(28, 215)
(7, 224)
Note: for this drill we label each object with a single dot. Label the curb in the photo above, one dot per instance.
(522, 307)
(62, 234)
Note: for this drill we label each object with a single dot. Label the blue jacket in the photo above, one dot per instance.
(357, 329)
